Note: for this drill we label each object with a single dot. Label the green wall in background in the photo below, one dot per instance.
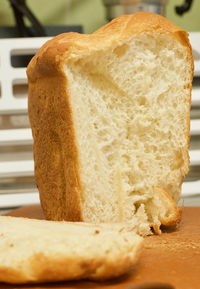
(52, 12)
(90, 13)
(190, 21)
(93, 14)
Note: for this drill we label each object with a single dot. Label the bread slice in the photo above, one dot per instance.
(110, 115)
(39, 250)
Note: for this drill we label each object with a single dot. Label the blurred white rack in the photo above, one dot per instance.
(10, 75)
(19, 199)
(195, 97)
(17, 185)
(15, 136)
(16, 169)
(195, 42)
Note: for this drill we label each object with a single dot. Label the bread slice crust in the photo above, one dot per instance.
(57, 165)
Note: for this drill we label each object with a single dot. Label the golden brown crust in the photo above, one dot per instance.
(49, 59)
(55, 154)
(93, 268)
(45, 269)
(55, 149)
(11, 275)
(172, 216)
(175, 217)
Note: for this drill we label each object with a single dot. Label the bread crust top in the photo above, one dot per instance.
(50, 58)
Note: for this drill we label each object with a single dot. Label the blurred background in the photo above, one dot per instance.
(24, 27)
(91, 14)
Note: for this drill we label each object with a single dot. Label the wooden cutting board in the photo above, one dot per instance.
(172, 258)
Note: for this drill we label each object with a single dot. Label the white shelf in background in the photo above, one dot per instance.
(17, 200)
(190, 189)
(195, 127)
(16, 169)
(16, 137)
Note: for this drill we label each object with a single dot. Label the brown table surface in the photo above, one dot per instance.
(173, 258)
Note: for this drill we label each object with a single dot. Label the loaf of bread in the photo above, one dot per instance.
(110, 116)
(39, 250)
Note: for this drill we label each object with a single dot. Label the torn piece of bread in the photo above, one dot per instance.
(39, 251)
(110, 115)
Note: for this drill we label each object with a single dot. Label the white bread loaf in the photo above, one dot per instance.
(39, 251)
(110, 115)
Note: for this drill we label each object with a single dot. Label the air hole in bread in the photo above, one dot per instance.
(121, 50)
